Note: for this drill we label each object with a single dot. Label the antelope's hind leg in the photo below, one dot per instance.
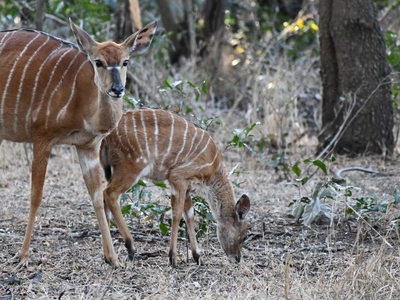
(188, 215)
(41, 153)
(93, 175)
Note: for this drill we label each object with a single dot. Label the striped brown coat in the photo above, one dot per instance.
(160, 145)
(54, 92)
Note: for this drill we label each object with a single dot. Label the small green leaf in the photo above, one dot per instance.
(348, 193)
(320, 165)
(296, 169)
(142, 183)
(304, 180)
(160, 184)
(126, 209)
(163, 228)
(168, 83)
(191, 84)
(333, 158)
(204, 87)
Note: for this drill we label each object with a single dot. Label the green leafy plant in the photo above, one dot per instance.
(241, 138)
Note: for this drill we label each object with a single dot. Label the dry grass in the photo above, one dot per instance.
(282, 259)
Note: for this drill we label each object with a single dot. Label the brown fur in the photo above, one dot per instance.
(52, 93)
(188, 158)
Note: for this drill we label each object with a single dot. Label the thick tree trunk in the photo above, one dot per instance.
(177, 34)
(353, 67)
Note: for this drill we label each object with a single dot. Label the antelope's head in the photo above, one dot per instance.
(110, 60)
(232, 233)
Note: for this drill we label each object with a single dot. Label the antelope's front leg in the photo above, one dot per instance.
(93, 175)
(178, 194)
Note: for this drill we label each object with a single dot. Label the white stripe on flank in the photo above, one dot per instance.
(120, 137)
(63, 110)
(136, 135)
(194, 150)
(155, 135)
(58, 86)
(183, 142)
(21, 54)
(39, 107)
(23, 77)
(28, 114)
(3, 41)
(126, 135)
(145, 134)
(170, 140)
(191, 145)
(197, 156)
(209, 164)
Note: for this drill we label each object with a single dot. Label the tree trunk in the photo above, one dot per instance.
(128, 19)
(178, 36)
(40, 4)
(353, 68)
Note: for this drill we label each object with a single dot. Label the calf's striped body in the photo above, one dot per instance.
(54, 92)
(160, 145)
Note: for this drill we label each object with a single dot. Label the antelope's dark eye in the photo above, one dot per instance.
(98, 62)
(125, 63)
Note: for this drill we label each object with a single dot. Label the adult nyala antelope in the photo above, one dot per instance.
(53, 92)
(160, 145)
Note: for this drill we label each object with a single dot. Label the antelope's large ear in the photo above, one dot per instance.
(83, 39)
(140, 41)
(242, 207)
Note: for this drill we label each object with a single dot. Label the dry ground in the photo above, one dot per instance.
(281, 258)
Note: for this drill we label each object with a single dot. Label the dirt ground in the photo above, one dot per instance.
(281, 258)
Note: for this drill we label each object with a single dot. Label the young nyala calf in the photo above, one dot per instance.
(160, 145)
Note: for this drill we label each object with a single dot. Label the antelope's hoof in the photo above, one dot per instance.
(172, 259)
(113, 262)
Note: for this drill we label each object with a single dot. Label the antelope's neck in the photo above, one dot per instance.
(108, 114)
(222, 197)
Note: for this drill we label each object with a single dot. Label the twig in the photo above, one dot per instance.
(373, 229)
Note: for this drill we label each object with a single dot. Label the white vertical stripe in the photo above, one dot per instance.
(63, 110)
(209, 164)
(23, 77)
(166, 154)
(126, 133)
(60, 82)
(193, 140)
(3, 41)
(121, 138)
(36, 85)
(21, 54)
(145, 134)
(183, 142)
(136, 135)
(155, 135)
(51, 78)
(197, 156)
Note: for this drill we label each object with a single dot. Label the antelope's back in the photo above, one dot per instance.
(39, 82)
(165, 141)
